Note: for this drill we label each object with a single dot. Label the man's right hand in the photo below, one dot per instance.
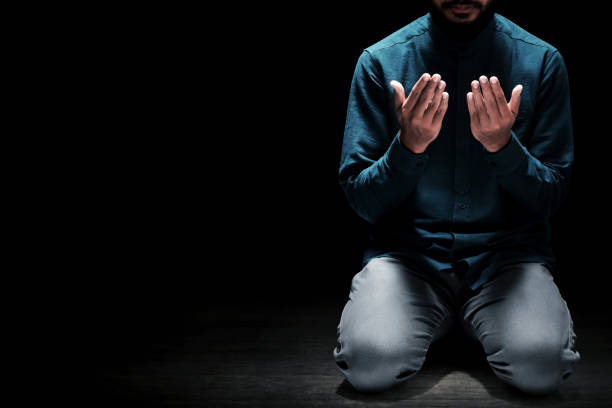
(420, 115)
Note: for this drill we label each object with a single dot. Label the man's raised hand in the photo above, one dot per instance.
(420, 115)
(491, 118)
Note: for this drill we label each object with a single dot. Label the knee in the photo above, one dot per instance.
(372, 364)
(534, 366)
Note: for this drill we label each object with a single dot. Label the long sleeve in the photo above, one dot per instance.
(377, 172)
(538, 175)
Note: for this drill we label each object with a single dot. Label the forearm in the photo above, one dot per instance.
(385, 183)
(537, 186)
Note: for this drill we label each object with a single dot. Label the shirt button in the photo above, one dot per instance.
(419, 164)
(462, 205)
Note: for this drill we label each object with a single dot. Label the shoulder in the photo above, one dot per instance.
(533, 47)
(405, 35)
(518, 35)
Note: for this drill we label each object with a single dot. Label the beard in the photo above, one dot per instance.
(462, 31)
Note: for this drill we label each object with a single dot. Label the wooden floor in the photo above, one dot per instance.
(261, 356)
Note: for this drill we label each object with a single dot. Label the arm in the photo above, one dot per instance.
(538, 175)
(377, 171)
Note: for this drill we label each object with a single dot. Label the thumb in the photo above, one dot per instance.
(515, 100)
(399, 93)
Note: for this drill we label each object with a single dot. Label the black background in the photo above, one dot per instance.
(221, 187)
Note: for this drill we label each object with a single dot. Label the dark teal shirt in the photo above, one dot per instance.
(457, 207)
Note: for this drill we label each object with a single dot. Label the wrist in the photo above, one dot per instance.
(497, 148)
(405, 144)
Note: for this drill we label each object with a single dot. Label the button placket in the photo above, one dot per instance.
(462, 152)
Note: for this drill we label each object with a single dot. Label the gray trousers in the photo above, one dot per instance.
(394, 313)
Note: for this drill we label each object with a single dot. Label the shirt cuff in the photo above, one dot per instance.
(509, 158)
(400, 158)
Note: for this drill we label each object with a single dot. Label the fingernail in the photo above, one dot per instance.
(483, 79)
(475, 84)
(426, 77)
(493, 80)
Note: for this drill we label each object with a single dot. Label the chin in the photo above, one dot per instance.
(462, 20)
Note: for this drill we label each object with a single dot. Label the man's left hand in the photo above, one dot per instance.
(491, 117)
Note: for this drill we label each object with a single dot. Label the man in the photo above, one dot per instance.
(458, 178)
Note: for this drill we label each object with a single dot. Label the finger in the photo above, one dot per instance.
(481, 111)
(437, 119)
(489, 98)
(435, 102)
(416, 91)
(472, 108)
(515, 100)
(426, 95)
(500, 98)
(400, 95)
